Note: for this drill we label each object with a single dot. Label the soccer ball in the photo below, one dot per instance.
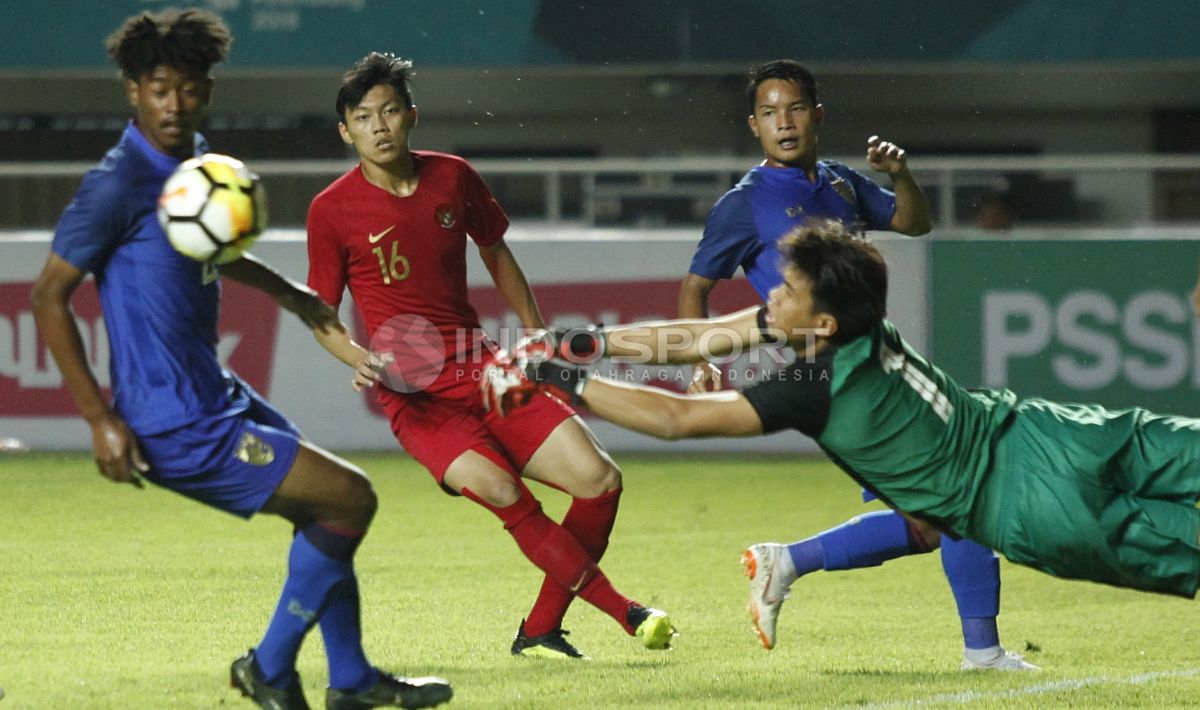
(212, 208)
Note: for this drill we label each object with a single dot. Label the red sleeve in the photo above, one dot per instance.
(486, 221)
(326, 258)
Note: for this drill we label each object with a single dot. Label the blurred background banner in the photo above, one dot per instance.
(293, 33)
(1058, 143)
(323, 33)
(1084, 320)
(1025, 112)
(1109, 322)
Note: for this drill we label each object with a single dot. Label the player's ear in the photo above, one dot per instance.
(752, 122)
(344, 133)
(131, 91)
(826, 324)
(819, 114)
(415, 116)
(208, 90)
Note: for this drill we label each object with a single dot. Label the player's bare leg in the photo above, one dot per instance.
(547, 544)
(322, 486)
(573, 460)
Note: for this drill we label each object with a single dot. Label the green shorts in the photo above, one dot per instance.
(1086, 493)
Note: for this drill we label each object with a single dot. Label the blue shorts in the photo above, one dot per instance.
(230, 462)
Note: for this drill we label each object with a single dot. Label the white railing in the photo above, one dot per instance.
(1121, 186)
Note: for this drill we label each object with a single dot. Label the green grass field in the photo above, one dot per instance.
(112, 597)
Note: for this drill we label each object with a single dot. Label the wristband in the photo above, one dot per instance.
(568, 379)
(580, 345)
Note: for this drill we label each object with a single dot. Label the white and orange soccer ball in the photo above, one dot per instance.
(212, 208)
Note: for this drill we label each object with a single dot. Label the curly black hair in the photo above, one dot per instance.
(189, 40)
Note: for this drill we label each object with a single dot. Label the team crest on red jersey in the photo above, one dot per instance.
(445, 216)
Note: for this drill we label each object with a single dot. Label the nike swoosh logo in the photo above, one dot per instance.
(372, 238)
(574, 588)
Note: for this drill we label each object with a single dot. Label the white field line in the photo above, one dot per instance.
(971, 696)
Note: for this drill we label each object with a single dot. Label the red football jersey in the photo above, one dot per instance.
(405, 255)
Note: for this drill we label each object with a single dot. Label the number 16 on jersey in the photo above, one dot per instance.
(393, 267)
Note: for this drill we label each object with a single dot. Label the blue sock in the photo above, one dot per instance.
(341, 629)
(974, 575)
(865, 541)
(319, 572)
(807, 556)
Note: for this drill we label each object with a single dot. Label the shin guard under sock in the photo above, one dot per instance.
(556, 552)
(590, 521)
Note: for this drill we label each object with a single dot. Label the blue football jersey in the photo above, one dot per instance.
(160, 308)
(767, 203)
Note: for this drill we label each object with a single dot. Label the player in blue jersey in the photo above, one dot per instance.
(178, 418)
(792, 185)
(789, 187)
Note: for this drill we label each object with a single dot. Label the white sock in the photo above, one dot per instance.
(982, 655)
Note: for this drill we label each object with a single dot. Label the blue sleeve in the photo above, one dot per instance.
(93, 223)
(876, 205)
(730, 238)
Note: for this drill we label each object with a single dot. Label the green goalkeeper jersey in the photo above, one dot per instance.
(893, 421)
(1074, 490)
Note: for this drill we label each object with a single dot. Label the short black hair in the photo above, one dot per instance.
(372, 70)
(189, 40)
(848, 275)
(785, 69)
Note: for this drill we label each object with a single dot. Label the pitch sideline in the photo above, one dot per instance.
(971, 696)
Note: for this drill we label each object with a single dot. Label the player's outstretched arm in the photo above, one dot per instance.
(507, 385)
(687, 341)
(913, 214)
(368, 366)
(290, 295)
(667, 415)
(113, 445)
(663, 342)
(318, 315)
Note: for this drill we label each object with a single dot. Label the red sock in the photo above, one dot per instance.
(590, 521)
(557, 553)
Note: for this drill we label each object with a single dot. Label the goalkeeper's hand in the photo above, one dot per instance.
(511, 381)
(580, 346)
(504, 386)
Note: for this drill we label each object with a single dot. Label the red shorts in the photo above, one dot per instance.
(436, 429)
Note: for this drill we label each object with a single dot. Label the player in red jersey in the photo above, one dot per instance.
(394, 230)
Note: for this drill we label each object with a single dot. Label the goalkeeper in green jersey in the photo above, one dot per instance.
(1077, 491)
